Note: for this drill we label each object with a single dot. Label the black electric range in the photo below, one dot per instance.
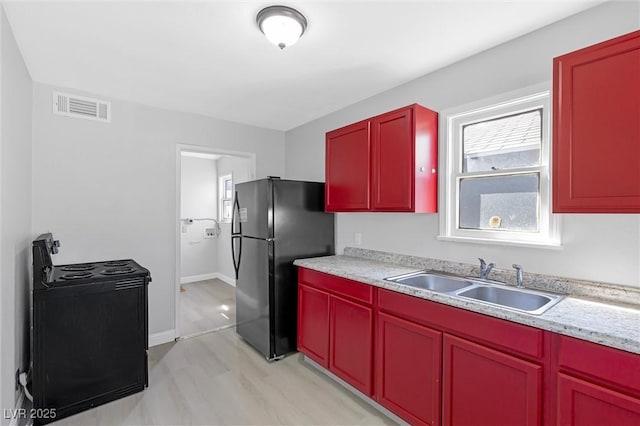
(89, 332)
(83, 273)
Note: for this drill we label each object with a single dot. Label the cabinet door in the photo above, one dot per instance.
(581, 403)
(313, 324)
(483, 386)
(393, 161)
(596, 144)
(347, 172)
(608, 365)
(408, 369)
(351, 354)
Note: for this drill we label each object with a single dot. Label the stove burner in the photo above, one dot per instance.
(77, 275)
(79, 267)
(116, 263)
(117, 271)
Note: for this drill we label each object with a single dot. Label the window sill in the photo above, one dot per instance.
(551, 245)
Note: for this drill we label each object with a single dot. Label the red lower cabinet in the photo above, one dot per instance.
(597, 385)
(408, 369)
(483, 386)
(351, 338)
(581, 403)
(313, 324)
(335, 326)
(435, 364)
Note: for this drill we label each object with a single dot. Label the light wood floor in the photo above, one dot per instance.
(217, 379)
(206, 305)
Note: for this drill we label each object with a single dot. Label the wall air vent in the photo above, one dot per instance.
(81, 107)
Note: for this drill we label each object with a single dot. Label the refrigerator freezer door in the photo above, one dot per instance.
(254, 209)
(300, 224)
(252, 295)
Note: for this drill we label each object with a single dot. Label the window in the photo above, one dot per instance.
(226, 198)
(497, 177)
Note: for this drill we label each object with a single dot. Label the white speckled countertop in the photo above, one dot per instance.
(605, 322)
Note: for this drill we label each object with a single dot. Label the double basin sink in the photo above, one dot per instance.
(518, 299)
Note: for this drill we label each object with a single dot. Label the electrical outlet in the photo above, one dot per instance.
(357, 238)
(209, 232)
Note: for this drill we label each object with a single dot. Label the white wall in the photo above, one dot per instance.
(597, 247)
(108, 190)
(241, 171)
(199, 199)
(239, 167)
(15, 213)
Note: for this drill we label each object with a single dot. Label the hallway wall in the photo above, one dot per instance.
(199, 199)
(16, 232)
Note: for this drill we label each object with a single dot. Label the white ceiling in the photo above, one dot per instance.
(208, 57)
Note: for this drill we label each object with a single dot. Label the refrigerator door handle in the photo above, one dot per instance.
(236, 208)
(236, 260)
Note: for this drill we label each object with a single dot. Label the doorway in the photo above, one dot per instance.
(205, 278)
(206, 306)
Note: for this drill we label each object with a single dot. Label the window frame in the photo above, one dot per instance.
(221, 187)
(511, 103)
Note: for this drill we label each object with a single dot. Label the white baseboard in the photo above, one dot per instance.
(226, 279)
(194, 278)
(156, 339)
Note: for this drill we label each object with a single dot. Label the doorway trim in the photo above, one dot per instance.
(180, 148)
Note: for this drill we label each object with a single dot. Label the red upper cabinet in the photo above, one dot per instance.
(347, 168)
(393, 159)
(596, 129)
(401, 160)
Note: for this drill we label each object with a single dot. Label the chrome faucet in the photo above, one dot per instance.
(518, 269)
(485, 269)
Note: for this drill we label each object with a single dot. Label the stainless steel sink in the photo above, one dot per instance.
(483, 291)
(433, 282)
(518, 299)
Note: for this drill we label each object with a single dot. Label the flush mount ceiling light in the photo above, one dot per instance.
(282, 25)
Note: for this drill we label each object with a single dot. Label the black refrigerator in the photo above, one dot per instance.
(274, 222)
